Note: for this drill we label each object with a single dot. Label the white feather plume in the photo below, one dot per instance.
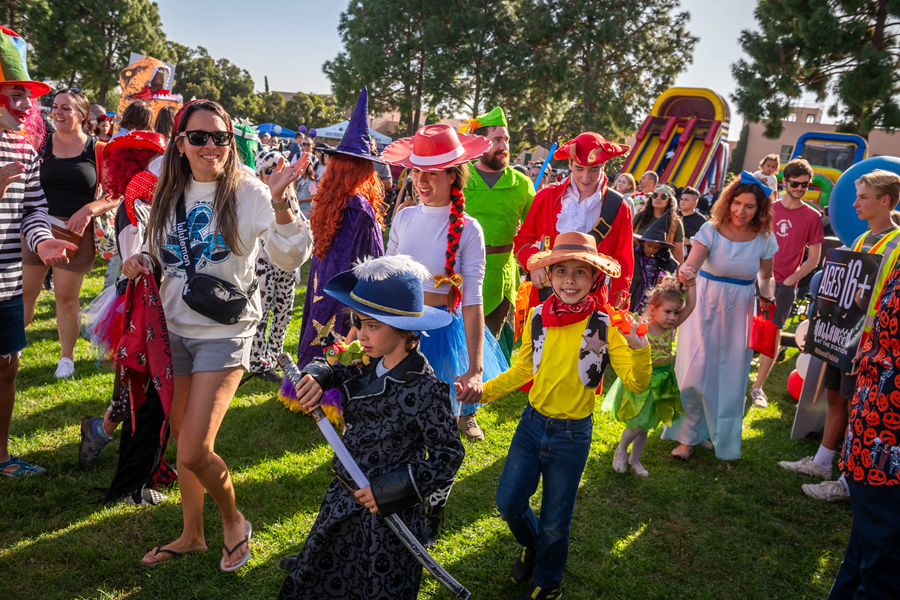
(379, 269)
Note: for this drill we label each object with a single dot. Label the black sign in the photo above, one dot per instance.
(842, 303)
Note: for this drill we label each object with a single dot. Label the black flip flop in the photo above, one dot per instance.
(167, 551)
(249, 530)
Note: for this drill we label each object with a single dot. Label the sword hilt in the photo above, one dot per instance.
(294, 375)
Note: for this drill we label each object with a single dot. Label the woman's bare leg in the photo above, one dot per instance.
(207, 401)
(67, 288)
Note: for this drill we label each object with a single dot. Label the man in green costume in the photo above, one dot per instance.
(499, 197)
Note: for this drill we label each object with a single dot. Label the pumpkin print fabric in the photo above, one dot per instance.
(871, 453)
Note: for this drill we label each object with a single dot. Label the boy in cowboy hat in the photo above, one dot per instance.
(565, 346)
(399, 428)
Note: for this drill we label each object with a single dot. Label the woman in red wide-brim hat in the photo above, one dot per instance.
(439, 234)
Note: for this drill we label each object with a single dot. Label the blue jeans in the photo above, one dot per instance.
(871, 567)
(557, 450)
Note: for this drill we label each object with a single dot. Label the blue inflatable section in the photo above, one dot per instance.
(844, 221)
(838, 138)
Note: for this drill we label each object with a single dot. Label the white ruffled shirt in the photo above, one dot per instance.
(579, 216)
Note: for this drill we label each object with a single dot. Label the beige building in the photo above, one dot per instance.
(805, 119)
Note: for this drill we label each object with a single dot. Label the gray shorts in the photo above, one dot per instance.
(784, 300)
(192, 355)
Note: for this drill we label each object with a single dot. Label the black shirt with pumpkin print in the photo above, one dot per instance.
(871, 453)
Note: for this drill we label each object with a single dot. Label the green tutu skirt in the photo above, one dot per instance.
(659, 403)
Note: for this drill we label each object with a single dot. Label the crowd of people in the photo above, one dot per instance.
(211, 223)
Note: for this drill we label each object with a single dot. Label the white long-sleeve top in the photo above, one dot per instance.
(421, 232)
(288, 245)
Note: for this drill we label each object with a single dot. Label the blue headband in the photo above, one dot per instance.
(747, 177)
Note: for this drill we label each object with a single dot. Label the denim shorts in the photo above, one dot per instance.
(12, 334)
(192, 355)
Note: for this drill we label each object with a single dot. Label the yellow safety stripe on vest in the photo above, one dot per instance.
(889, 248)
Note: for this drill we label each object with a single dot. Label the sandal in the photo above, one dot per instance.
(683, 454)
(171, 554)
(249, 529)
(23, 468)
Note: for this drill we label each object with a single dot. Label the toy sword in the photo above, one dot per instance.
(393, 521)
(540, 176)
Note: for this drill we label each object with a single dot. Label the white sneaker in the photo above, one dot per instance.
(806, 466)
(760, 400)
(639, 469)
(832, 491)
(65, 368)
(620, 461)
(706, 444)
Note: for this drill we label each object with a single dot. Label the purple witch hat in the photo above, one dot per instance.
(356, 139)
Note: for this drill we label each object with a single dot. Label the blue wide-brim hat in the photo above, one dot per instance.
(356, 141)
(389, 289)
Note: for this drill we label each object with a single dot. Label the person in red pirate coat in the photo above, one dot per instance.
(582, 202)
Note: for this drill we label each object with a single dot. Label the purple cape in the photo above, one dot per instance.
(359, 237)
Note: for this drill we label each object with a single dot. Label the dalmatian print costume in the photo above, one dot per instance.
(276, 292)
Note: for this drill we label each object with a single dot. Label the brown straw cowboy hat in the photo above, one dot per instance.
(574, 245)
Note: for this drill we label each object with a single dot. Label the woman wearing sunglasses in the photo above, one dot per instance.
(662, 202)
(226, 210)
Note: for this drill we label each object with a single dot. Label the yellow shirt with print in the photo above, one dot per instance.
(558, 392)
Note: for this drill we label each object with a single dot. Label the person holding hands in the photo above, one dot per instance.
(566, 344)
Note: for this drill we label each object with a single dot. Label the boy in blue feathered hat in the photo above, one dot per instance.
(399, 429)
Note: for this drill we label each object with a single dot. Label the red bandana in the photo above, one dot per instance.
(557, 313)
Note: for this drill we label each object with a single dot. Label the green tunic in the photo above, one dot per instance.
(499, 210)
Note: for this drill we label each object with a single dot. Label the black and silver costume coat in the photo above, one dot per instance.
(401, 432)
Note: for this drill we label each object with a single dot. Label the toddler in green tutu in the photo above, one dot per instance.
(667, 308)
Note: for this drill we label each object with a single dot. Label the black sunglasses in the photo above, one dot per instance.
(662, 195)
(798, 184)
(68, 90)
(198, 138)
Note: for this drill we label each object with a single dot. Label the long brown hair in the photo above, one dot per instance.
(175, 175)
(345, 176)
(646, 216)
(762, 220)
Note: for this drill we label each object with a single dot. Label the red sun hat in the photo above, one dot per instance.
(136, 140)
(590, 149)
(434, 148)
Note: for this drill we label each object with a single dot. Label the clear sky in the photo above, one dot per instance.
(288, 41)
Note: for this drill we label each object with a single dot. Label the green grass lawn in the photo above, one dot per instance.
(702, 529)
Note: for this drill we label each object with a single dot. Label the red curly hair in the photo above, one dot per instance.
(121, 166)
(345, 176)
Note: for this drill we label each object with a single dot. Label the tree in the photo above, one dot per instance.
(846, 47)
(271, 108)
(388, 46)
(87, 42)
(312, 110)
(198, 75)
(558, 67)
(481, 53)
(599, 66)
(736, 164)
